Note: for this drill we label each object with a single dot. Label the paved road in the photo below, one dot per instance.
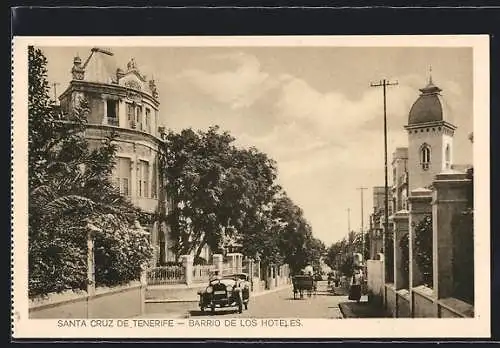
(281, 304)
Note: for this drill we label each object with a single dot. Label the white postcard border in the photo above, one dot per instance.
(23, 327)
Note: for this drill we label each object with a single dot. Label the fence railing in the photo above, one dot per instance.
(166, 275)
(227, 269)
(202, 273)
(246, 267)
(256, 271)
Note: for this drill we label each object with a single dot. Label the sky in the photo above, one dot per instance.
(311, 109)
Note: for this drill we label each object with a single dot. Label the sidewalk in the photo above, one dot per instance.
(363, 309)
(173, 315)
(270, 291)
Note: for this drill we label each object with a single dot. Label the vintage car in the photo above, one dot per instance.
(227, 291)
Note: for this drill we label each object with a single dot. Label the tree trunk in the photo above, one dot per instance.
(200, 247)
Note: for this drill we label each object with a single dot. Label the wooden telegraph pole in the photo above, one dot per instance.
(348, 221)
(384, 83)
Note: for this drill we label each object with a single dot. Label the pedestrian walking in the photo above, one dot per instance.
(355, 288)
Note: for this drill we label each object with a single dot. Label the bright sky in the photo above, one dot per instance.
(311, 109)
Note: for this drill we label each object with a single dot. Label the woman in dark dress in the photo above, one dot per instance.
(355, 289)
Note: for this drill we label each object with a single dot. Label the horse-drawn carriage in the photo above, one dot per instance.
(304, 283)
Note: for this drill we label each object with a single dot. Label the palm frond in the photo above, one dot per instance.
(40, 196)
(42, 191)
(65, 204)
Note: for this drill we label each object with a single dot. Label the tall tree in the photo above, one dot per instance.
(70, 194)
(219, 190)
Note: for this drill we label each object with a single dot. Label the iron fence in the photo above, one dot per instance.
(165, 275)
(202, 273)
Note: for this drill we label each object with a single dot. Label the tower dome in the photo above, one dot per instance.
(429, 107)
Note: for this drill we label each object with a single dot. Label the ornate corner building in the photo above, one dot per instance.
(430, 137)
(126, 102)
(430, 151)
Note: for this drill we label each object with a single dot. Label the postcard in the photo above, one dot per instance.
(250, 187)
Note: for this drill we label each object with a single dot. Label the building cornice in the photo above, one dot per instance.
(104, 88)
(135, 132)
(444, 124)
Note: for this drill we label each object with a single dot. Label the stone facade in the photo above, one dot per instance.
(125, 102)
(376, 226)
(430, 137)
(426, 183)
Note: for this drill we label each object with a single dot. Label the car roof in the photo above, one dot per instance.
(236, 275)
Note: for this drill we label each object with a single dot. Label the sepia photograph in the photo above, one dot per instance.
(203, 187)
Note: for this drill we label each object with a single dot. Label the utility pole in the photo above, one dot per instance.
(349, 230)
(384, 83)
(55, 84)
(362, 223)
(348, 221)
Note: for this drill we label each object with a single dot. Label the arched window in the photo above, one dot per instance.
(425, 156)
(447, 156)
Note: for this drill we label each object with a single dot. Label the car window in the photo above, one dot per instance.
(225, 281)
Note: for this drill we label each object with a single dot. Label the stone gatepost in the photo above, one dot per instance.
(400, 220)
(257, 266)
(235, 262)
(155, 241)
(449, 200)
(90, 264)
(218, 261)
(144, 285)
(420, 206)
(187, 263)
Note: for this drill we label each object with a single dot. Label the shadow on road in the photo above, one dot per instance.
(299, 298)
(218, 311)
(330, 294)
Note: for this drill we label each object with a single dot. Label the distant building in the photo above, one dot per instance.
(399, 190)
(376, 218)
(378, 198)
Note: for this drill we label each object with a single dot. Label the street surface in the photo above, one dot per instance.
(281, 304)
(270, 304)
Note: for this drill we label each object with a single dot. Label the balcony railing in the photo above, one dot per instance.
(149, 205)
(113, 122)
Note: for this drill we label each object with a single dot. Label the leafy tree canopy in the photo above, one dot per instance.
(228, 196)
(71, 194)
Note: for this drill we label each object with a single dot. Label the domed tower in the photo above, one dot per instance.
(430, 137)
